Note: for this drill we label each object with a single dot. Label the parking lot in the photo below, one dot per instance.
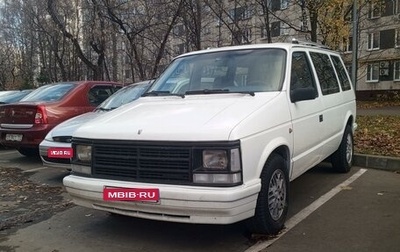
(358, 211)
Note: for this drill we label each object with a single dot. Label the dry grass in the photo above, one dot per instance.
(378, 134)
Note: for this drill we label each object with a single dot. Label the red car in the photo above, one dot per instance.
(24, 125)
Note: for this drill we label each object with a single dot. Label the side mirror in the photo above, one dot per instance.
(302, 94)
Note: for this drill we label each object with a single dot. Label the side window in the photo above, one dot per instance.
(326, 73)
(341, 72)
(98, 94)
(301, 76)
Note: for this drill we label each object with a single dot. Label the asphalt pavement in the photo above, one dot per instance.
(363, 216)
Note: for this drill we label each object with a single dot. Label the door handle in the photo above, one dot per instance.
(321, 118)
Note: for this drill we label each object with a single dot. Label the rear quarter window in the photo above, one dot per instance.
(341, 72)
(98, 94)
(49, 93)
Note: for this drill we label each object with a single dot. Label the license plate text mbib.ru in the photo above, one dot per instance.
(131, 194)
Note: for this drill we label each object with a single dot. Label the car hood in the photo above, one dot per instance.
(68, 127)
(195, 117)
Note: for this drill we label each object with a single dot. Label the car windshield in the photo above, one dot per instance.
(51, 92)
(247, 70)
(124, 95)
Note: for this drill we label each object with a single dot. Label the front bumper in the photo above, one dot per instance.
(186, 204)
(64, 163)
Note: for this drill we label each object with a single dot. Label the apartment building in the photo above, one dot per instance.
(378, 48)
(232, 22)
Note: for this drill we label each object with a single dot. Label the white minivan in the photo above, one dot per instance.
(219, 136)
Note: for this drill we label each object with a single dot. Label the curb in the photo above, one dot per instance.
(377, 162)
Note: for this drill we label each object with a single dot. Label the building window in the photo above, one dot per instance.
(373, 72)
(397, 38)
(279, 28)
(276, 5)
(348, 44)
(388, 8)
(179, 30)
(396, 70)
(284, 28)
(128, 74)
(374, 10)
(240, 13)
(387, 39)
(231, 15)
(206, 30)
(284, 4)
(264, 32)
(275, 29)
(397, 6)
(180, 49)
(373, 41)
(246, 36)
(246, 13)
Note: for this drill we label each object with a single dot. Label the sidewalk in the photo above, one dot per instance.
(380, 111)
(378, 162)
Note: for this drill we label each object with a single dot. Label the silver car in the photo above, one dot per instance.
(55, 150)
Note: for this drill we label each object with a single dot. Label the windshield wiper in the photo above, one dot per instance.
(208, 91)
(162, 93)
(218, 91)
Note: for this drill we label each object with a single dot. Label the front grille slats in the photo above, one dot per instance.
(142, 163)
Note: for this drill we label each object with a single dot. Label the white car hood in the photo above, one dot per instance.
(193, 118)
(69, 126)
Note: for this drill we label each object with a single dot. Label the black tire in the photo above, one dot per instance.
(342, 158)
(273, 198)
(29, 152)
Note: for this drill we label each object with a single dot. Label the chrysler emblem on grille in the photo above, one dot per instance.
(139, 132)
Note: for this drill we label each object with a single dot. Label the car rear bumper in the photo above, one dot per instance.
(177, 203)
(31, 138)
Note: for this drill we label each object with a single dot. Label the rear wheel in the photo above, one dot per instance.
(342, 158)
(273, 198)
(29, 152)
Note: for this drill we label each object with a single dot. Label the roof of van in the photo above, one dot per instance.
(286, 46)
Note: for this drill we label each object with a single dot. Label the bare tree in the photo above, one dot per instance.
(59, 14)
(146, 28)
(191, 17)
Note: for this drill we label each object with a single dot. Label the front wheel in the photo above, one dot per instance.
(273, 198)
(342, 158)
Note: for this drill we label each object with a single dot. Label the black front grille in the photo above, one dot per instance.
(142, 163)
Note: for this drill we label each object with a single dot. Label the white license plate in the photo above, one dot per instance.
(14, 137)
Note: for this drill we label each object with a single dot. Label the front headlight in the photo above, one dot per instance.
(219, 167)
(215, 159)
(84, 153)
(82, 160)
